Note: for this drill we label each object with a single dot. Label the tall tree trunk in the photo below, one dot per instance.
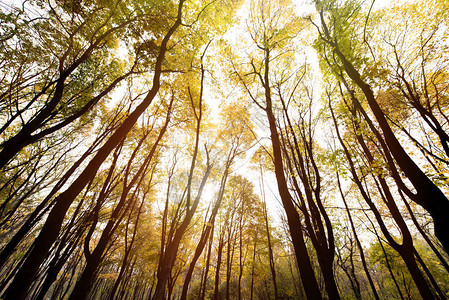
(40, 210)
(253, 269)
(424, 235)
(306, 271)
(270, 251)
(357, 240)
(321, 235)
(241, 262)
(168, 255)
(205, 236)
(429, 275)
(387, 260)
(229, 260)
(83, 285)
(126, 257)
(206, 269)
(217, 269)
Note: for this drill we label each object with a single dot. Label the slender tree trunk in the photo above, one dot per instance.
(429, 275)
(55, 267)
(125, 262)
(321, 235)
(270, 252)
(355, 285)
(253, 267)
(387, 260)
(357, 291)
(83, 285)
(229, 260)
(424, 235)
(306, 271)
(206, 269)
(217, 270)
(199, 249)
(39, 211)
(359, 244)
(169, 257)
(239, 285)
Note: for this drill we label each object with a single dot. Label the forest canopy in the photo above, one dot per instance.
(224, 149)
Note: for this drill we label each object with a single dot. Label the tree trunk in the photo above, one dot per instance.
(306, 271)
(217, 270)
(357, 240)
(169, 257)
(199, 249)
(253, 268)
(83, 285)
(206, 269)
(270, 251)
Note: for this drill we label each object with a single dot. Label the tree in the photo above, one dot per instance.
(235, 137)
(19, 287)
(60, 75)
(269, 38)
(177, 231)
(427, 194)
